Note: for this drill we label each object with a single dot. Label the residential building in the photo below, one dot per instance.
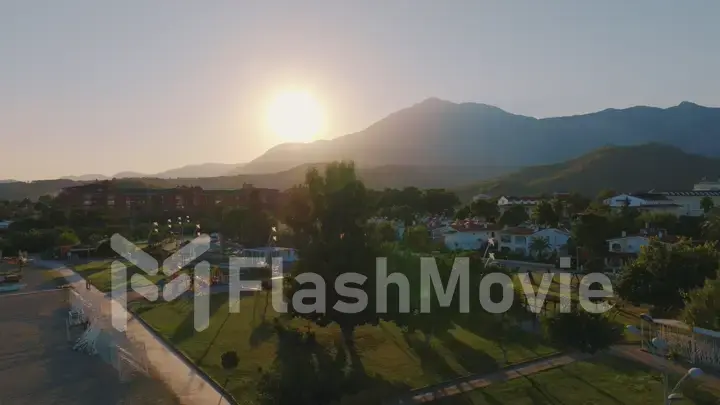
(674, 202)
(469, 235)
(519, 239)
(626, 247)
(707, 185)
(528, 202)
(113, 195)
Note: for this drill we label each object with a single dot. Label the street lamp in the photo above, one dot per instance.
(658, 347)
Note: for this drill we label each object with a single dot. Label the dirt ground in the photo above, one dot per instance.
(37, 365)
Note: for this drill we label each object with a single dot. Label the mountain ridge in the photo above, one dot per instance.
(637, 168)
(440, 132)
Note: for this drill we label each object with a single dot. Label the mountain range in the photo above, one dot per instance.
(621, 168)
(477, 148)
(199, 170)
(441, 133)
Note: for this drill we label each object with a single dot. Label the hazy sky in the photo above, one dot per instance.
(147, 85)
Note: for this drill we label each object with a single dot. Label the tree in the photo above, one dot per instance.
(539, 245)
(440, 201)
(605, 194)
(384, 232)
(417, 239)
(707, 204)
(711, 226)
(559, 209)
(702, 306)
(486, 209)
(581, 330)
(591, 232)
(576, 203)
(661, 275)
(544, 214)
(333, 219)
(514, 216)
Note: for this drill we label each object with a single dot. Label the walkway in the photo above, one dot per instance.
(473, 382)
(636, 354)
(191, 387)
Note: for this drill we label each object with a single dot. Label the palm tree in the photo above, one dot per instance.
(539, 245)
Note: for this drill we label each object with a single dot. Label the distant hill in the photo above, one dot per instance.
(199, 170)
(374, 177)
(441, 133)
(620, 168)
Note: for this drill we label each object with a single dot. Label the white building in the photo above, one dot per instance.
(528, 202)
(674, 202)
(627, 247)
(469, 235)
(707, 185)
(519, 239)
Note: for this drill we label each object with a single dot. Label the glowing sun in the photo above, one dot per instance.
(295, 117)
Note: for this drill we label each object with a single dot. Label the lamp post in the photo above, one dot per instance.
(658, 347)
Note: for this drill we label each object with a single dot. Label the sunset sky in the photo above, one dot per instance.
(90, 86)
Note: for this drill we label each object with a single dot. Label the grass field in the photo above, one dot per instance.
(384, 353)
(98, 272)
(604, 380)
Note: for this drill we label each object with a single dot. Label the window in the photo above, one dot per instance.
(615, 247)
(520, 240)
(505, 238)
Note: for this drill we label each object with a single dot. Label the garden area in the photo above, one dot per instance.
(602, 380)
(384, 360)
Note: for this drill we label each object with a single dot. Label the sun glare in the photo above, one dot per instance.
(296, 117)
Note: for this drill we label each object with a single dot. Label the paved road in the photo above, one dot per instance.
(38, 367)
(190, 386)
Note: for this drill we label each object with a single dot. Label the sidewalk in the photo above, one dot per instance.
(474, 382)
(190, 386)
(636, 354)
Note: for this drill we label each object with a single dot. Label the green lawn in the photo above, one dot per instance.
(604, 380)
(98, 272)
(386, 353)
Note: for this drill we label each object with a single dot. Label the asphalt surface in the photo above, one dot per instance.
(38, 367)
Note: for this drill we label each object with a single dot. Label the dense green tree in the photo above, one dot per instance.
(544, 215)
(707, 204)
(67, 238)
(581, 330)
(661, 275)
(487, 209)
(711, 225)
(702, 306)
(336, 244)
(591, 231)
(576, 204)
(440, 201)
(514, 216)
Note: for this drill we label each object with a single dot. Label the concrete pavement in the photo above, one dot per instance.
(190, 386)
